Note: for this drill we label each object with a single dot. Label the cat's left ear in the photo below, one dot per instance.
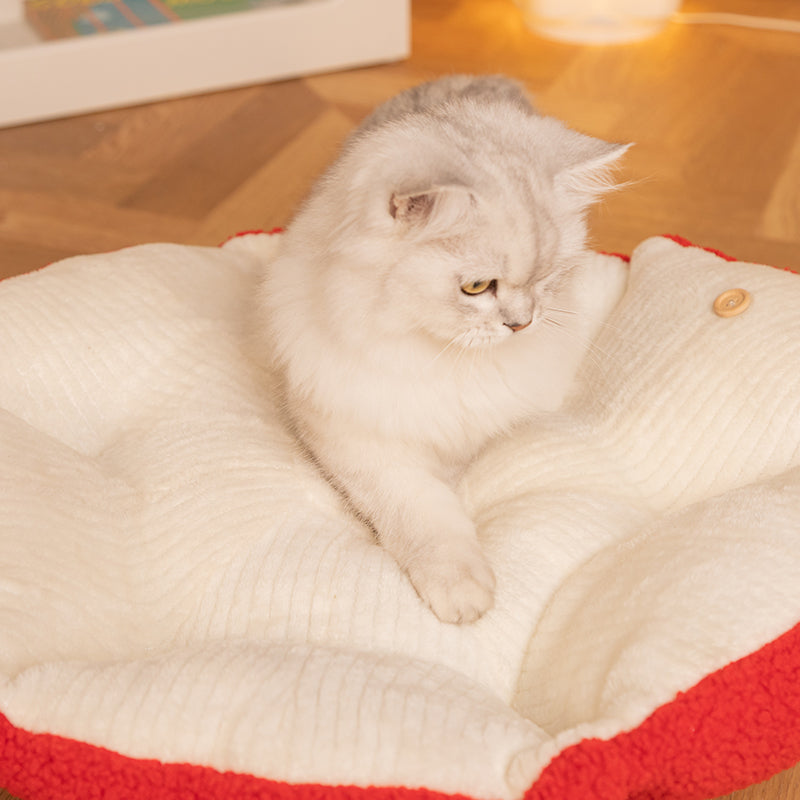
(438, 206)
(586, 168)
(413, 207)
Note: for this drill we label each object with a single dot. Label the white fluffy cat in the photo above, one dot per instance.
(433, 292)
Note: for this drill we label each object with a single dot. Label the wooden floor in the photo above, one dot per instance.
(714, 112)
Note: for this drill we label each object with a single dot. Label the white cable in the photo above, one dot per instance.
(738, 20)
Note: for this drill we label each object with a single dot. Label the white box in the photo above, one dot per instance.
(44, 79)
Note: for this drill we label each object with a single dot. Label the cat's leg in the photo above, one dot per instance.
(419, 520)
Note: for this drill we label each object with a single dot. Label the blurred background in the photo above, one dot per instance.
(714, 111)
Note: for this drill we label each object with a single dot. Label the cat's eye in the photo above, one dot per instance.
(476, 287)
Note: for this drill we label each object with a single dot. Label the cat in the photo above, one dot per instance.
(430, 294)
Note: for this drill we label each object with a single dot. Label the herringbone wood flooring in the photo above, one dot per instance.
(715, 113)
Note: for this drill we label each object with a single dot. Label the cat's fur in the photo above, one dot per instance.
(393, 377)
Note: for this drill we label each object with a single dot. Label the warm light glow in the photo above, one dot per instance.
(597, 21)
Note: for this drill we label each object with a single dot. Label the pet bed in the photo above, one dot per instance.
(188, 611)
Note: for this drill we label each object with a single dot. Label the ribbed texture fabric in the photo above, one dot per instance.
(187, 610)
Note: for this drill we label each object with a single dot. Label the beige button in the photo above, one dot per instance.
(732, 302)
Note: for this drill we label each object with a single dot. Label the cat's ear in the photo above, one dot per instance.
(439, 206)
(586, 166)
(413, 207)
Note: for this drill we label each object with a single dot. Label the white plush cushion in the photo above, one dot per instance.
(178, 583)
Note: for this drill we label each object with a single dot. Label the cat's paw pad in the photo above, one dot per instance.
(458, 589)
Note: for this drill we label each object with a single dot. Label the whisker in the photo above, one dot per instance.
(572, 312)
(592, 351)
(611, 327)
(560, 310)
(464, 341)
(449, 344)
(595, 353)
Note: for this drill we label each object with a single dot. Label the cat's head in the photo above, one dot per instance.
(466, 230)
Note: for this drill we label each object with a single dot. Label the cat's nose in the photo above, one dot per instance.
(517, 326)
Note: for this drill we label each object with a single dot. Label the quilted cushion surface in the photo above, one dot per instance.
(179, 586)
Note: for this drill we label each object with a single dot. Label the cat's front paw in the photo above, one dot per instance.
(457, 583)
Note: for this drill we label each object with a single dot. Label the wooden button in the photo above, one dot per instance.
(732, 302)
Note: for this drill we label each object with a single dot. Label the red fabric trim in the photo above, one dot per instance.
(43, 767)
(736, 727)
(678, 240)
(625, 258)
(686, 243)
(253, 232)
